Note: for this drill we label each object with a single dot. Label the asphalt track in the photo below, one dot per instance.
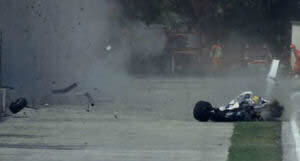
(152, 122)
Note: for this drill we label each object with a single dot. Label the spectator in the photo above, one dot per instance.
(296, 67)
(216, 54)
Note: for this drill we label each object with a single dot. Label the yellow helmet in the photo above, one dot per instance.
(255, 99)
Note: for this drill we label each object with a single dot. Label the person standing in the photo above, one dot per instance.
(216, 54)
(296, 67)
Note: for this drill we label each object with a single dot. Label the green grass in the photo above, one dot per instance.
(256, 141)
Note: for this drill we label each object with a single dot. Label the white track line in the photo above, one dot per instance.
(295, 132)
(294, 127)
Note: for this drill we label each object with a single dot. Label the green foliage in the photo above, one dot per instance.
(144, 10)
(263, 20)
(167, 12)
(231, 13)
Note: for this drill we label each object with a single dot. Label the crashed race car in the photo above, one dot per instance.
(245, 107)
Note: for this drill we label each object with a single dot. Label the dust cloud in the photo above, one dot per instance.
(52, 44)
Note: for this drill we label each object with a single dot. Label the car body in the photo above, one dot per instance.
(245, 107)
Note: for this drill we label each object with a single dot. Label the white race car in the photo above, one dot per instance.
(245, 107)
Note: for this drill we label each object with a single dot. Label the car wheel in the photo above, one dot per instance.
(202, 111)
(18, 105)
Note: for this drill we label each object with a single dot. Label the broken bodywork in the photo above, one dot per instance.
(245, 107)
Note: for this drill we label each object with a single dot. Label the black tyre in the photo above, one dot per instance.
(202, 111)
(18, 105)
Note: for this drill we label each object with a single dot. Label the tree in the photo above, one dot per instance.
(263, 19)
(167, 12)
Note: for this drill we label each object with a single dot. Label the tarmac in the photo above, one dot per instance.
(52, 134)
(290, 130)
(153, 122)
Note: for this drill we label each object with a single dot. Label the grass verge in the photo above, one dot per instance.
(256, 141)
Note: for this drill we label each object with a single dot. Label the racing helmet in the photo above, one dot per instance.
(246, 95)
(255, 99)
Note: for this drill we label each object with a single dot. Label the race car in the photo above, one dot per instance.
(245, 107)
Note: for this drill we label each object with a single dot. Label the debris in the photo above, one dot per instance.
(88, 108)
(18, 105)
(116, 115)
(271, 79)
(90, 99)
(108, 48)
(65, 90)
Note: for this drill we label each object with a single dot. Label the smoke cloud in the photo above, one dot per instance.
(52, 44)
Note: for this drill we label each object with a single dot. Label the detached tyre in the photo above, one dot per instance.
(18, 105)
(202, 111)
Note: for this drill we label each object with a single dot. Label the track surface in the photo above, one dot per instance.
(153, 122)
